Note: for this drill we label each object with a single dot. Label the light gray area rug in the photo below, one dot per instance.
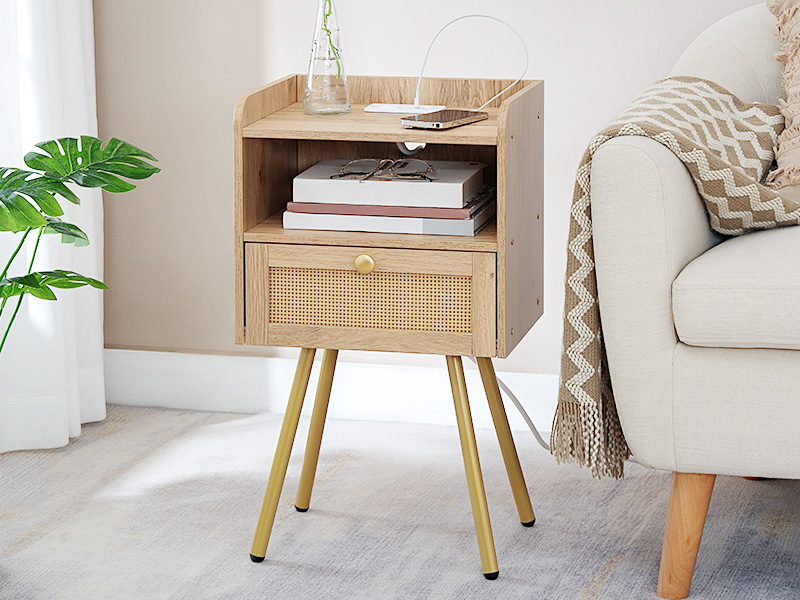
(163, 504)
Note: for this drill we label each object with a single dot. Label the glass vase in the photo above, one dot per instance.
(326, 86)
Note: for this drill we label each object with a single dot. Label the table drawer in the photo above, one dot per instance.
(402, 300)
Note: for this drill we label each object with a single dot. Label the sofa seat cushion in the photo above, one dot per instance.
(743, 293)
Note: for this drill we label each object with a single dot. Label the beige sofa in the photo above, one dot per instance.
(702, 331)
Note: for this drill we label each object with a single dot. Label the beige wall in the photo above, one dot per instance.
(168, 76)
(169, 73)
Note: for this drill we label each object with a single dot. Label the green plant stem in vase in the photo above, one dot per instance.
(326, 85)
(30, 202)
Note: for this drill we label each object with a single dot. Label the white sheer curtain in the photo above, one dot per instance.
(51, 369)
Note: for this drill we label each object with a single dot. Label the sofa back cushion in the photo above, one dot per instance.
(738, 53)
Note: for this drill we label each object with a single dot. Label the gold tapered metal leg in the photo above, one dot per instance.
(281, 461)
(515, 476)
(315, 430)
(472, 465)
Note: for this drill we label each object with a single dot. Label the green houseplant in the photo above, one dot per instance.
(30, 206)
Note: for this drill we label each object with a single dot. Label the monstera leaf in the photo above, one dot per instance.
(19, 188)
(39, 284)
(70, 234)
(88, 163)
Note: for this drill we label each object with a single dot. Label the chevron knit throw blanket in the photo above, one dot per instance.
(728, 147)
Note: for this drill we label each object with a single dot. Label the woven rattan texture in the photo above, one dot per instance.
(408, 301)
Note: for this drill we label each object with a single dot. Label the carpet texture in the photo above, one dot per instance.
(162, 504)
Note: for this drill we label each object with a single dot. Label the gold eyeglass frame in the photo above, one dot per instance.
(385, 164)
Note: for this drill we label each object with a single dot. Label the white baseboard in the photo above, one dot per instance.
(372, 392)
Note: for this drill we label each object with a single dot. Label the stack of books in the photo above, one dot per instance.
(452, 200)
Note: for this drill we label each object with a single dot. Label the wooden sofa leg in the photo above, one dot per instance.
(688, 506)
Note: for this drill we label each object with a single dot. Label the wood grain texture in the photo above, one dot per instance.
(480, 267)
(264, 101)
(356, 125)
(385, 340)
(275, 141)
(484, 304)
(686, 515)
(520, 215)
(386, 260)
(452, 92)
(255, 163)
(256, 262)
(359, 126)
(271, 231)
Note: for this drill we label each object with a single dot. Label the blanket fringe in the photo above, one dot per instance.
(570, 442)
(566, 439)
(568, 445)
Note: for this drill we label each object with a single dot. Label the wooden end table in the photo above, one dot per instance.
(452, 296)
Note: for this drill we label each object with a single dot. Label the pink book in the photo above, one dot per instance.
(392, 211)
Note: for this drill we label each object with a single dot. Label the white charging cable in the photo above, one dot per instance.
(521, 410)
(410, 148)
(527, 418)
(438, 33)
(500, 382)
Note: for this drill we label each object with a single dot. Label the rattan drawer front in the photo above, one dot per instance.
(412, 301)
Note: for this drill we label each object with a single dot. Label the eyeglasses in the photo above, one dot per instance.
(401, 168)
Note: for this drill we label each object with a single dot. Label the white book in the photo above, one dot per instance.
(454, 184)
(371, 224)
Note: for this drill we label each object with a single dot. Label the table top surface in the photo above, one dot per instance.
(356, 125)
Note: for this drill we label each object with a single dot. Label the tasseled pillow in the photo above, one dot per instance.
(786, 178)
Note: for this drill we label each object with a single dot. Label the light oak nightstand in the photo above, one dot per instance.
(454, 296)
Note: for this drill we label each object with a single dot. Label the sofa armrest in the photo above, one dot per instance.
(648, 223)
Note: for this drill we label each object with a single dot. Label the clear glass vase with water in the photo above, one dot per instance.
(326, 87)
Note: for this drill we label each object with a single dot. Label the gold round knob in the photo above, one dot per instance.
(365, 264)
